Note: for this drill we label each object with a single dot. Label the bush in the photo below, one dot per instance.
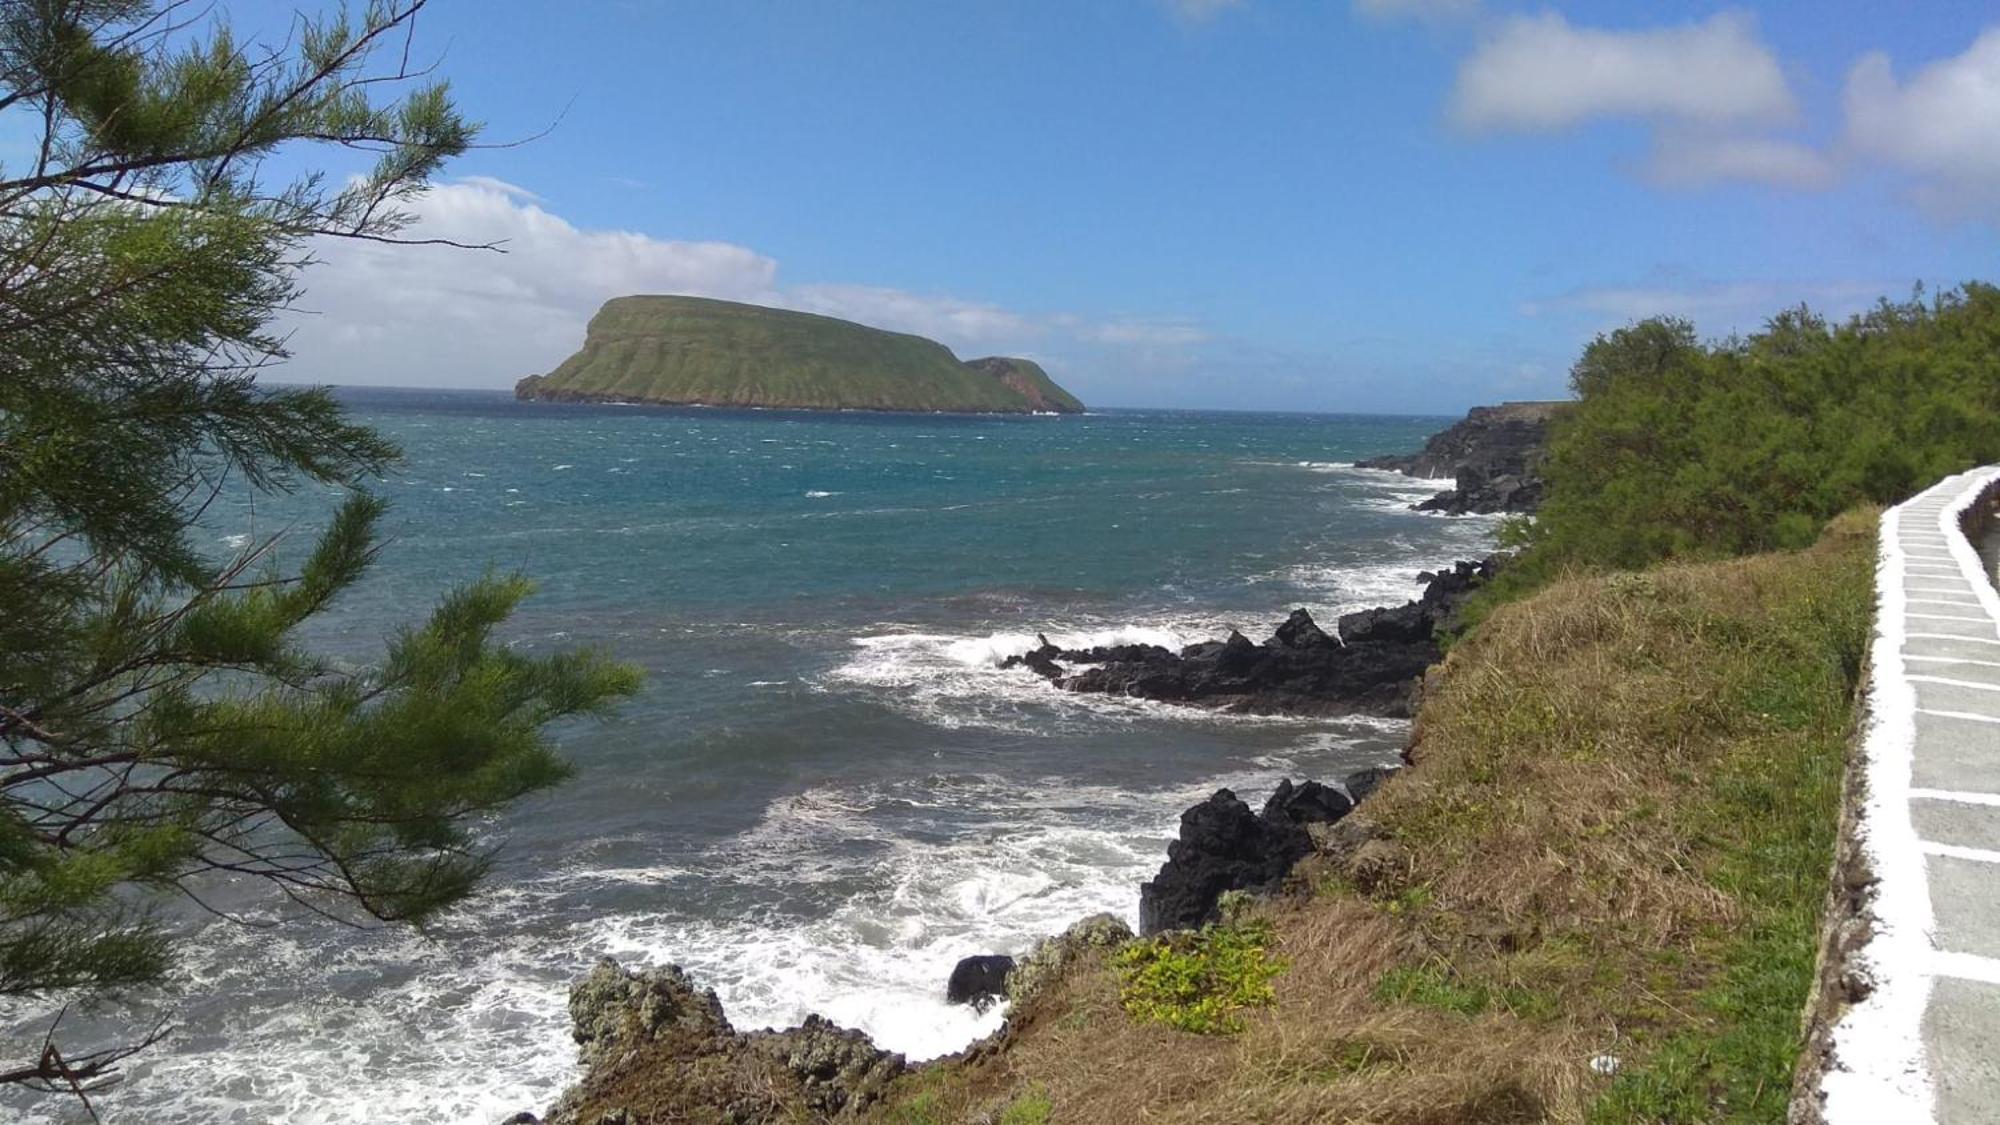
(1679, 449)
(1198, 982)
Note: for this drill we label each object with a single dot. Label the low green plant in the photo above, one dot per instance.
(1030, 1107)
(1200, 982)
(922, 1109)
(1434, 987)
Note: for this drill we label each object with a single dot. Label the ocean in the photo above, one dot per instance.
(828, 792)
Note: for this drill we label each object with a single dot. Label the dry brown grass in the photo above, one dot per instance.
(1327, 1052)
(1616, 781)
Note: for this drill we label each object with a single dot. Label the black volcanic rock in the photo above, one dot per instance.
(1370, 667)
(979, 980)
(1223, 846)
(1308, 803)
(1362, 783)
(1493, 457)
(1301, 631)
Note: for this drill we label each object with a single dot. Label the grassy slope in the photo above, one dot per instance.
(1616, 845)
(694, 350)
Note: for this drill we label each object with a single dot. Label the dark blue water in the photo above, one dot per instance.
(828, 791)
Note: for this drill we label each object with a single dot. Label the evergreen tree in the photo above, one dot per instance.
(161, 723)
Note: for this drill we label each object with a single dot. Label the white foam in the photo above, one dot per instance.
(392, 1027)
(1030, 860)
(817, 494)
(955, 680)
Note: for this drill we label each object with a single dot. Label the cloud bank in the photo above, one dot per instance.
(1541, 73)
(1942, 126)
(1712, 95)
(435, 316)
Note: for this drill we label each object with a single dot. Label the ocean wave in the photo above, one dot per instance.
(955, 680)
(920, 871)
(1031, 860)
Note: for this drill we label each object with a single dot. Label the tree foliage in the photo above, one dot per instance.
(1678, 449)
(162, 726)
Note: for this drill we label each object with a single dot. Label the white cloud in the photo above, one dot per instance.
(512, 191)
(1428, 11)
(438, 316)
(1542, 73)
(1943, 124)
(1693, 159)
(442, 316)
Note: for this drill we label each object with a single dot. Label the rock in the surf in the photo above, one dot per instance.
(657, 1047)
(979, 980)
(1224, 847)
(1370, 667)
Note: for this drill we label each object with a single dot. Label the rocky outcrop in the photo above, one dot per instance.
(655, 1047)
(979, 980)
(1224, 847)
(1370, 667)
(1054, 957)
(1493, 457)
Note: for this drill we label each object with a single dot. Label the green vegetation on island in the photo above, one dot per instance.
(696, 351)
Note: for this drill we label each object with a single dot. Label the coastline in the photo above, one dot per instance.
(595, 398)
(617, 1012)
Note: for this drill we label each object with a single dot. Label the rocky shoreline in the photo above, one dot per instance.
(1369, 665)
(653, 1042)
(656, 1046)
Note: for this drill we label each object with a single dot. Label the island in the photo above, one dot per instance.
(697, 351)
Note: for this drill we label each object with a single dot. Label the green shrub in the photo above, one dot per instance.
(1031, 1107)
(1199, 981)
(1680, 449)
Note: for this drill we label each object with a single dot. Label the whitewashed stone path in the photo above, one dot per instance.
(1925, 1044)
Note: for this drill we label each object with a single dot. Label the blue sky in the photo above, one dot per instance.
(1388, 205)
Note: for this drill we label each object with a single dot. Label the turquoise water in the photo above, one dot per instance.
(828, 792)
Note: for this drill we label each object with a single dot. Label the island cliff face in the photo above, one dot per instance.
(689, 351)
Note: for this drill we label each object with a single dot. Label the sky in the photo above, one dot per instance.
(1404, 206)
